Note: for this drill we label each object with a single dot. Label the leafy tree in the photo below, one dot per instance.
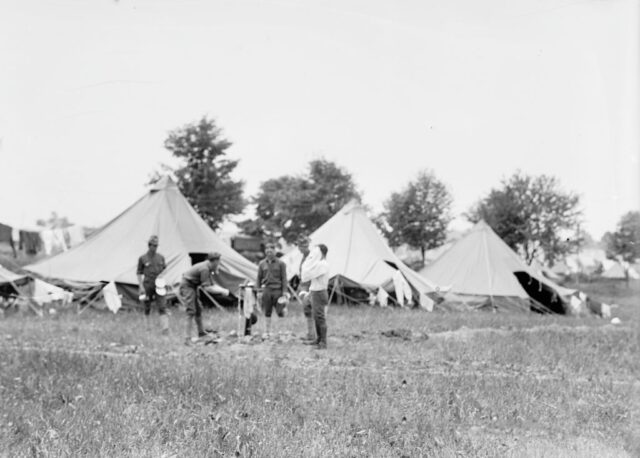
(418, 215)
(205, 176)
(292, 205)
(532, 215)
(54, 222)
(624, 243)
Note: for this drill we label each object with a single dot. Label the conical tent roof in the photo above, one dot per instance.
(111, 254)
(482, 264)
(359, 253)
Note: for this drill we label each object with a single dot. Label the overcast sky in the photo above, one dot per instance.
(473, 90)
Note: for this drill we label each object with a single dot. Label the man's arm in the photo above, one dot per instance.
(140, 273)
(283, 274)
(259, 280)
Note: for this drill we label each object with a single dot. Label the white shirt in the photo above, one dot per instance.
(321, 281)
(316, 270)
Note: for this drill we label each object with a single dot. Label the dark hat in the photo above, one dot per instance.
(214, 256)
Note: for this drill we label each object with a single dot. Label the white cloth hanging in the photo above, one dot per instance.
(426, 302)
(76, 235)
(111, 297)
(248, 302)
(382, 297)
(402, 288)
(53, 241)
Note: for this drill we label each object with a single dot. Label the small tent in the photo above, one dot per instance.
(360, 257)
(616, 270)
(111, 253)
(483, 270)
(13, 285)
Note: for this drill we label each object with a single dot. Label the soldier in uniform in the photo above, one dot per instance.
(272, 278)
(150, 266)
(303, 246)
(200, 275)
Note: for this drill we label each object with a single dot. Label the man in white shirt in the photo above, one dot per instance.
(315, 270)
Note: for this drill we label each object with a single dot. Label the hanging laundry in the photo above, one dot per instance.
(76, 235)
(402, 288)
(426, 302)
(5, 233)
(30, 242)
(248, 302)
(59, 241)
(111, 297)
(383, 297)
(53, 241)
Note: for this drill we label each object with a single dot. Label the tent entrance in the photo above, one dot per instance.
(545, 299)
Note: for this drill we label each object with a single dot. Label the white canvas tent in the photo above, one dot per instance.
(111, 253)
(618, 270)
(359, 255)
(481, 266)
(40, 292)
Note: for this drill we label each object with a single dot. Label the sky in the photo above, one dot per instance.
(473, 91)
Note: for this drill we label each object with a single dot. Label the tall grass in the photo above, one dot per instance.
(477, 384)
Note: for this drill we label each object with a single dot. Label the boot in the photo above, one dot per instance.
(311, 329)
(198, 319)
(189, 329)
(164, 324)
(322, 339)
(267, 326)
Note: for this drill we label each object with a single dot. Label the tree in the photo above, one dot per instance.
(418, 215)
(532, 215)
(292, 205)
(624, 243)
(205, 177)
(54, 222)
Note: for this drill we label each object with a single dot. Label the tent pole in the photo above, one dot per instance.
(333, 289)
(30, 301)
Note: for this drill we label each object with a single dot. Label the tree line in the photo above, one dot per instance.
(532, 214)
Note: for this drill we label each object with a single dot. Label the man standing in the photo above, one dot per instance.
(315, 269)
(272, 278)
(150, 265)
(200, 275)
(303, 290)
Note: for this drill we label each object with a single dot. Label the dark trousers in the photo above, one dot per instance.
(306, 301)
(307, 309)
(189, 297)
(150, 292)
(319, 300)
(270, 301)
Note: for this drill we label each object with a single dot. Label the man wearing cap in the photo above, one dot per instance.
(303, 288)
(150, 265)
(200, 275)
(272, 278)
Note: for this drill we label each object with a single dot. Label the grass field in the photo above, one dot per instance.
(457, 384)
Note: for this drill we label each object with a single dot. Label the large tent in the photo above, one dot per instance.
(359, 256)
(111, 253)
(481, 267)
